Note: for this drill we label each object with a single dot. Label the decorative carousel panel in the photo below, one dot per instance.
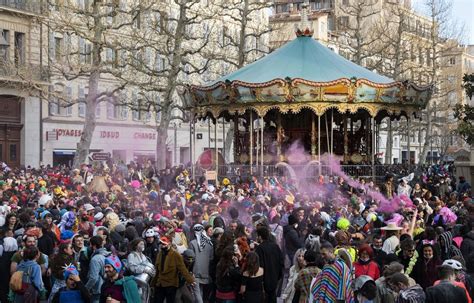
(389, 95)
(336, 93)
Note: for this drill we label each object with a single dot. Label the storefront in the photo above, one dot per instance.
(124, 143)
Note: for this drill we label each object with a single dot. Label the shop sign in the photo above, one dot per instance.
(109, 134)
(100, 156)
(144, 136)
(64, 132)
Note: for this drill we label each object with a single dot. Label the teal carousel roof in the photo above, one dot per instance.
(303, 58)
(306, 74)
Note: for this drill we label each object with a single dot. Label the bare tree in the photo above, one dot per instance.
(179, 36)
(81, 39)
(444, 32)
(244, 43)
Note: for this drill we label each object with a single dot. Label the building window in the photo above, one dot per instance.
(19, 48)
(58, 43)
(81, 102)
(6, 36)
(97, 111)
(343, 22)
(85, 51)
(452, 61)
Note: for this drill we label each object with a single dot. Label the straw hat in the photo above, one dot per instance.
(391, 226)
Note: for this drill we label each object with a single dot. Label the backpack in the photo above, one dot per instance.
(16, 281)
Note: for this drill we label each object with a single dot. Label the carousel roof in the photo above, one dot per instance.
(303, 58)
(305, 74)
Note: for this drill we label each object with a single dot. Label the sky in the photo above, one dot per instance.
(463, 11)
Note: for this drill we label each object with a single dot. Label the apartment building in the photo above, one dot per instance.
(23, 65)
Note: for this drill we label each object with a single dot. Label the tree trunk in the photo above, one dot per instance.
(84, 144)
(161, 147)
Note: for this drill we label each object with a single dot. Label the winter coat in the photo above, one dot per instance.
(167, 272)
(138, 264)
(467, 245)
(445, 292)
(424, 273)
(272, 261)
(370, 269)
(96, 271)
(293, 241)
(152, 250)
(202, 262)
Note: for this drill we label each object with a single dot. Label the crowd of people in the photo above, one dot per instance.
(116, 233)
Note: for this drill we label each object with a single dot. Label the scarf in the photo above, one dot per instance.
(201, 237)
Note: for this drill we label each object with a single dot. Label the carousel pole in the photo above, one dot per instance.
(191, 146)
(257, 143)
(319, 143)
(327, 133)
(332, 132)
(346, 140)
(279, 136)
(373, 147)
(194, 146)
(209, 132)
(236, 137)
(261, 146)
(251, 142)
(408, 142)
(313, 137)
(223, 138)
(216, 150)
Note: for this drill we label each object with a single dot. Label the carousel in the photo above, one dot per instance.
(307, 94)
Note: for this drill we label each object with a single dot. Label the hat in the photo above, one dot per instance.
(391, 226)
(44, 199)
(343, 224)
(218, 231)
(115, 262)
(454, 264)
(150, 233)
(189, 253)
(88, 207)
(164, 240)
(120, 228)
(66, 236)
(98, 216)
(361, 280)
(45, 213)
(70, 270)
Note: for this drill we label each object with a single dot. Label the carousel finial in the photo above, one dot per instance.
(304, 29)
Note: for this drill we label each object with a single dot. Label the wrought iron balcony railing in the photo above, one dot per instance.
(29, 6)
(23, 72)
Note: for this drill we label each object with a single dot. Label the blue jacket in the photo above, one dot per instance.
(35, 270)
(96, 271)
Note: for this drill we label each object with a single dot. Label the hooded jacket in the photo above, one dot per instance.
(292, 240)
(467, 245)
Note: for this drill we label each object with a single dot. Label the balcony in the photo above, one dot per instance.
(23, 73)
(28, 6)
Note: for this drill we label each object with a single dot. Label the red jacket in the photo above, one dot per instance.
(371, 269)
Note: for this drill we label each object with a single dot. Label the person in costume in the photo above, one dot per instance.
(74, 291)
